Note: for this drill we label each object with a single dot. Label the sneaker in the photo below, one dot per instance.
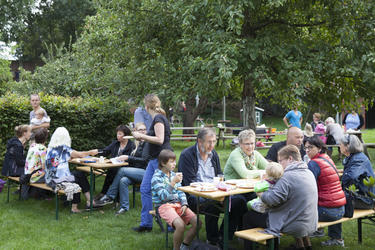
(142, 229)
(98, 196)
(105, 200)
(317, 233)
(121, 211)
(333, 242)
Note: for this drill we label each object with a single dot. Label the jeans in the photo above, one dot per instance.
(146, 197)
(124, 177)
(327, 214)
(109, 178)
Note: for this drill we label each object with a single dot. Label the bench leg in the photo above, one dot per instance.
(133, 196)
(198, 205)
(19, 194)
(271, 244)
(359, 224)
(8, 190)
(166, 235)
(57, 205)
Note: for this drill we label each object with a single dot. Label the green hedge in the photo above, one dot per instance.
(90, 122)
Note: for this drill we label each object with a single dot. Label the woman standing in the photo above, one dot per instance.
(59, 153)
(294, 117)
(353, 121)
(331, 197)
(131, 174)
(157, 139)
(14, 160)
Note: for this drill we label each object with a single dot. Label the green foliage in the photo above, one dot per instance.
(91, 122)
(5, 75)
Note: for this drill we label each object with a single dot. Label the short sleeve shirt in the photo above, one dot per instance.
(154, 149)
(294, 119)
(36, 157)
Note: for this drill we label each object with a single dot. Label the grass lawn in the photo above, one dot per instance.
(31, 225)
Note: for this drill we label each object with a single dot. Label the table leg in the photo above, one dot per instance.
(198, 205)
(226, 221)
(91, 189)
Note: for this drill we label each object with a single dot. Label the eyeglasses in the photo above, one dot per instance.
(142, 129)
(309, 147)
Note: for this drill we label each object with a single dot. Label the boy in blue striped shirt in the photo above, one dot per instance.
(171, 203)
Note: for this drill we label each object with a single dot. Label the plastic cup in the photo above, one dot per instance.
(221, 176)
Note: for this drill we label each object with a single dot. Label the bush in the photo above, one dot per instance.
(91, 122)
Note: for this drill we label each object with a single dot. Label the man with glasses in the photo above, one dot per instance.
(294, 137)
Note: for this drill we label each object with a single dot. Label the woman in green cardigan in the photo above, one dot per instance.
(244, 162)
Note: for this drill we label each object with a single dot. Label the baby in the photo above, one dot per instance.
(274, 171)
(39, 118)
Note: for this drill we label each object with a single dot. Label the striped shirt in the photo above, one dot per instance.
(163, 192)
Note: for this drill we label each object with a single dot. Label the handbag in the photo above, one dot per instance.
(25, 178)
(349, 206)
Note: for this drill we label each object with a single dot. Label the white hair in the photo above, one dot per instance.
(60, 137)
(329, 120)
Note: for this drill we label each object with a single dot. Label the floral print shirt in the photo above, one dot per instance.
(57, 162)
(35, 160)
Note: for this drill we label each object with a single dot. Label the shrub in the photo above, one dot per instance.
(91, 122)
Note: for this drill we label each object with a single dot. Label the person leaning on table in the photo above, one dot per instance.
(292, 201)
(331, 197)
(57, 170)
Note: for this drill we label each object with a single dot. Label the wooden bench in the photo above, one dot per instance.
(37, 185)
(258, 235)
(101, 172)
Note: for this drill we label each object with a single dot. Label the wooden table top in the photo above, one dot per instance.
(107, 163)
(217, 195)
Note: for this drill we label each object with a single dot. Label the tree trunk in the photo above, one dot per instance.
(192, 112)
(248, 104)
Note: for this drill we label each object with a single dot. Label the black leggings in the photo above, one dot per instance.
(81, 180)
(110, 176)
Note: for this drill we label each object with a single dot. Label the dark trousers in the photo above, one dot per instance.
(111, 174)
(253, 219)
(81, 180)
(212, 210)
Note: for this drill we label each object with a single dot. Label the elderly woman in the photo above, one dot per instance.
(14, 160)
(244, 162)
(357, 167)
(127, 175)
(59, 153)
(331, 197)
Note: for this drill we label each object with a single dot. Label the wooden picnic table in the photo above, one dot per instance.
(95, 166)
(222, 196)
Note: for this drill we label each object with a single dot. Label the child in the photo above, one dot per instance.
(39, 118)
(274, 171)
(170, 203)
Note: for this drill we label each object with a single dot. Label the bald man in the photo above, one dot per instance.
(294, 137)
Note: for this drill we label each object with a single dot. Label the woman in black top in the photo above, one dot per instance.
(157, 139)
(14, 160)
(118, 147)
(133, 173)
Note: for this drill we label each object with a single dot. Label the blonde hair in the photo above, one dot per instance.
(274, 171)
(137, 142)
(39, 111)
(246, 134)
(21, 129)
(60, 137)
(152, 102)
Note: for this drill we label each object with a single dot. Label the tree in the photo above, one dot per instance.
(286, 51)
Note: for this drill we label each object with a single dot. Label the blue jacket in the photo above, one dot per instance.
(188, 164)
(357, 167)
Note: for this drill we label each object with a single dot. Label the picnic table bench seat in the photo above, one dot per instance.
(41, 186)
(258, 235)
